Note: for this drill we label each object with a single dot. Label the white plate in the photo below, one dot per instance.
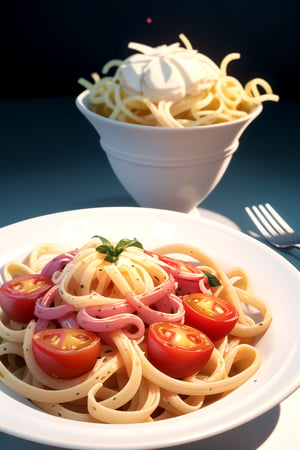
(275, 280)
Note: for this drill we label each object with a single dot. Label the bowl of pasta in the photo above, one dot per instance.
(144, 342)
(170, 120)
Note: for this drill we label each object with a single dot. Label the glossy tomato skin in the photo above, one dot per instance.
(66, 352)
(18, 296)
(177, 349)
(210, 314)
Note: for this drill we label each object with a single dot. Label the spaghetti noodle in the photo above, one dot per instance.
(124, 386)
(223, 100)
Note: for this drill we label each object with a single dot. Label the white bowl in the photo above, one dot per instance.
(168, 168)
(274, 279)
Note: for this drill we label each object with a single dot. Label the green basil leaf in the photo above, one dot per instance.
(104, 240)
(125, 243)
(136, 243)
(105, 249)
(111, 258)
(112, 253)
(212, 279)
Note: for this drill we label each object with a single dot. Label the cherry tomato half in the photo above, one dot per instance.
(210, 314)
(18, 296)
(176, 349)
(66, 352)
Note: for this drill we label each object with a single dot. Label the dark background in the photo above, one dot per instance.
(47, 45)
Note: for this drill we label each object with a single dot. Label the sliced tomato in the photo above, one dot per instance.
(66, 352)
(18, 296)
(176, 349)
(212, 315)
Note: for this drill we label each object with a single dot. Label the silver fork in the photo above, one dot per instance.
(274, 229)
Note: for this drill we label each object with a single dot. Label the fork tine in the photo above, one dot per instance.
(252, 214)
(262, 216)
(273, 226)
(286, 227)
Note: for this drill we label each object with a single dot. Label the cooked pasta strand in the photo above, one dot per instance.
(108, 98)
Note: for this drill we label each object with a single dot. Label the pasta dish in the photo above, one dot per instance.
(115, 333)
(173, 86)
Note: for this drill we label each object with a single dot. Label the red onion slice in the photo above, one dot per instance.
(172, 308)
(58, 263)
(130, 324)
(165, 288)
(69, 320)
(111, 309)
(44, 310)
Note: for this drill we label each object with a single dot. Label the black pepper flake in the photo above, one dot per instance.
(82, 286)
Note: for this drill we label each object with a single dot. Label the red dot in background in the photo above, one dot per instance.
(149, 20)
